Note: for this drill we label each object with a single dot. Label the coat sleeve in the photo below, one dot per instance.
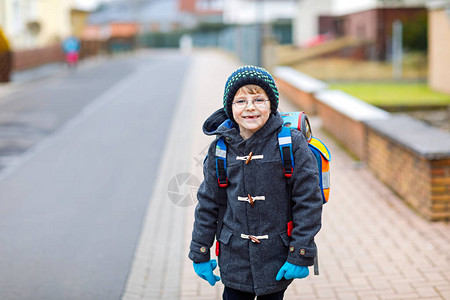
(306, 203)
(206, 211)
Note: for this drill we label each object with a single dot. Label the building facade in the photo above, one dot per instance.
(311, 14)
(439, 45)
(35, 23)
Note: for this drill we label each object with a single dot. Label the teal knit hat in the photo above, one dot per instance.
(250, 75)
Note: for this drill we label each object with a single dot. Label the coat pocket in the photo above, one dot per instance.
(225, 235)
(285, 238)
(224, 248)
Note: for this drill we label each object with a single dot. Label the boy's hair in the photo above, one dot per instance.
(252, 89)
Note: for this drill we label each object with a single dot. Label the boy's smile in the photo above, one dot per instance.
(253, 115)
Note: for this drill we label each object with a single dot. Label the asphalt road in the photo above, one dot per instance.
(82, 152)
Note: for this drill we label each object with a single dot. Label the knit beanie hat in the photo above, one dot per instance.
(249, 75)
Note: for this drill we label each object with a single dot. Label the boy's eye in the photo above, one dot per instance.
(240, 102)
(259, 101)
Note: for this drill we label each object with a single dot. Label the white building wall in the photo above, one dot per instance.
(306, 23)
(343, 7)
(52, 15)
(251, 11)
(439, 46)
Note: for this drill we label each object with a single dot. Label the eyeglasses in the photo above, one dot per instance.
(256, 102)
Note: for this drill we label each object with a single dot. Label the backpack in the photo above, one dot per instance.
(299, 121)
(296, 120)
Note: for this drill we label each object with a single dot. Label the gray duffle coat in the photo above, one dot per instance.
(245, 265)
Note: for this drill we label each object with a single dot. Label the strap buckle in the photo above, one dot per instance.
(288, 173)
(223, 184)
(290, 227)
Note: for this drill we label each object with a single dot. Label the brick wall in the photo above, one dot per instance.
(405, 172)
(424, 184)
(410, 157)
(413, 159)
(92, 48)
(303, 99)
(440, 189)
(350, 133)
(27, 59)
(362, 25)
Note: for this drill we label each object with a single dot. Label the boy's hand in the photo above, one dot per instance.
(290, 271)
(205, 271)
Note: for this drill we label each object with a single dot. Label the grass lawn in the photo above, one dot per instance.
(394, 94)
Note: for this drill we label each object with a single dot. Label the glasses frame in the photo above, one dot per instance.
(253, 101)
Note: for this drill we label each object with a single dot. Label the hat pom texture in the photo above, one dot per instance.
(250, 75)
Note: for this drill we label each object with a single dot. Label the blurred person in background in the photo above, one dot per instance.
(71, 47)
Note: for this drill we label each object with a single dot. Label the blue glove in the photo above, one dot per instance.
(205, 271)
(290, 271)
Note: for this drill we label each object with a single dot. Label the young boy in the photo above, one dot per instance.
(256, 255)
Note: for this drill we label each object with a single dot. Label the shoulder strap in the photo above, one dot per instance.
(221, 163)
(221, 172)
(285, 144)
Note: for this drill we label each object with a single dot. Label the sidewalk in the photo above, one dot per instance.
(371, 246)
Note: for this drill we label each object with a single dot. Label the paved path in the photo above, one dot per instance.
(371, 246)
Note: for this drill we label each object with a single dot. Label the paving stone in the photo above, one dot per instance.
(372, 246)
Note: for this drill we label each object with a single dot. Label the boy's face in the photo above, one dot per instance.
(253, 115)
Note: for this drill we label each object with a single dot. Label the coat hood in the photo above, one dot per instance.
(219, 124)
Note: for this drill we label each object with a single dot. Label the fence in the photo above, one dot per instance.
(27, 59)
(245, 41)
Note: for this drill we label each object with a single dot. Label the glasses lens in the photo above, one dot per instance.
(240, 103)
(259, 102)
(255, 102)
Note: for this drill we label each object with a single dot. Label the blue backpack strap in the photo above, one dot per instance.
(299, 121)
(287, 156)
(221, 163)
(222, 180)
(221, 172)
